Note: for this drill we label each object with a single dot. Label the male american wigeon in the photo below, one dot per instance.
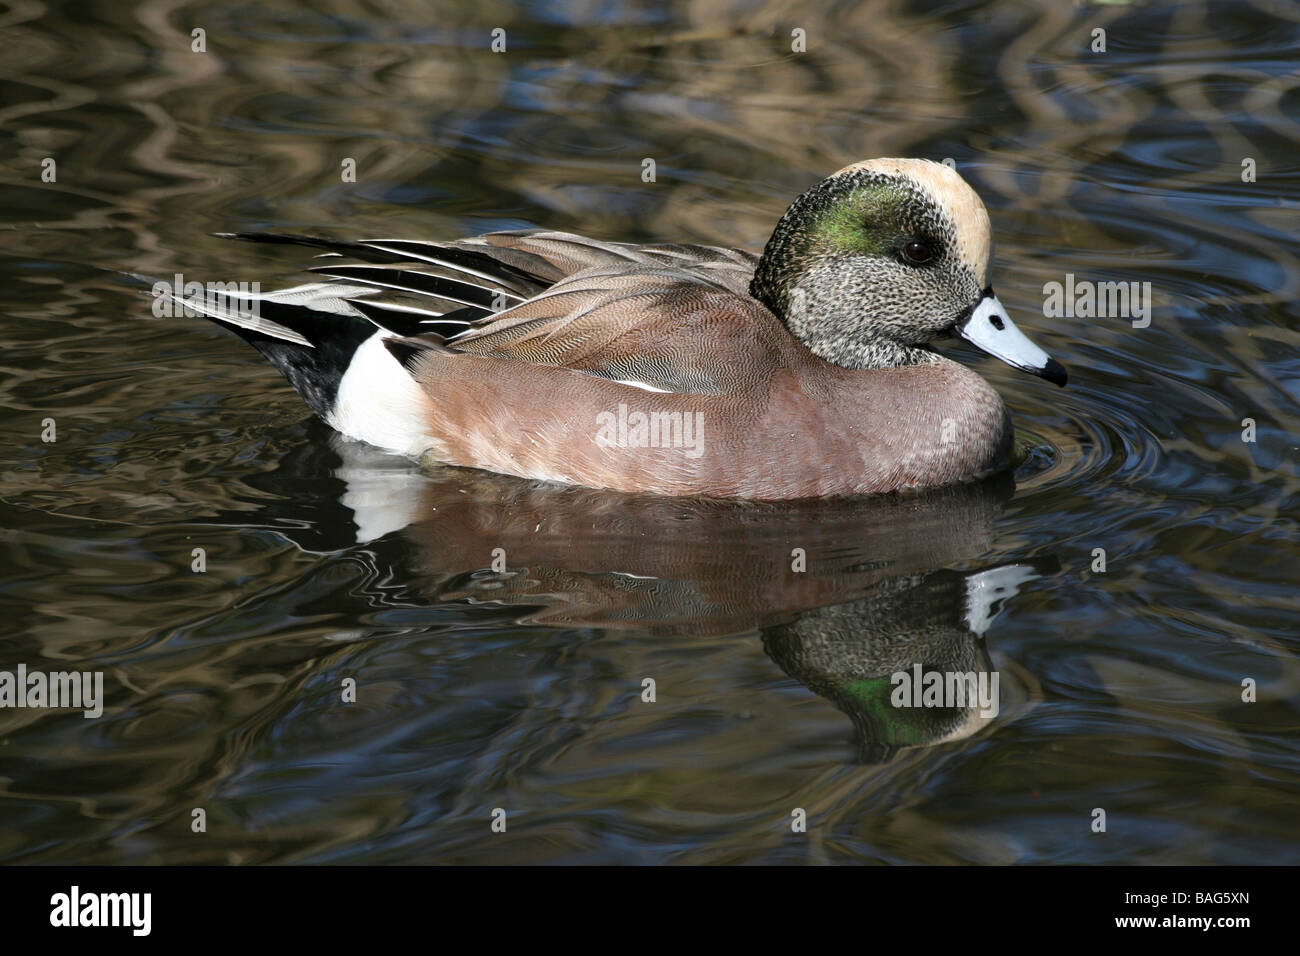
(670, 369)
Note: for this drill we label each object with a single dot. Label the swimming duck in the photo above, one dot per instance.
(669, 369)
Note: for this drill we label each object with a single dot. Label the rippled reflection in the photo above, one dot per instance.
(580, 557)
(1151, 551)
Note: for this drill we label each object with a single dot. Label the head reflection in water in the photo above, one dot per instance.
(866, 656)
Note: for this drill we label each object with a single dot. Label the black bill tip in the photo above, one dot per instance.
(1055, 373)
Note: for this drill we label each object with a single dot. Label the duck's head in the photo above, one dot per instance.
(872, 264)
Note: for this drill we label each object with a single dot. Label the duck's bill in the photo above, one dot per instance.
(991, 329)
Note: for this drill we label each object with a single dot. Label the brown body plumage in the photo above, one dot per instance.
(669, 369)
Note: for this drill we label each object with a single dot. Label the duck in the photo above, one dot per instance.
(809, 371)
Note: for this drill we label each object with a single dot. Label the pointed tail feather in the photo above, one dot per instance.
(309, 333)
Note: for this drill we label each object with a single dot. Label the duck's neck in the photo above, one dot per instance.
(879, 353)
(782, 262)
(771, 283)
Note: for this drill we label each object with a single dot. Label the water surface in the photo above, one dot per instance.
(522, 689)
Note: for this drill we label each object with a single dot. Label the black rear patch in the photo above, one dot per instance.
(314, 372)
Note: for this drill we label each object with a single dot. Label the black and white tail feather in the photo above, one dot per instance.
(334, 340)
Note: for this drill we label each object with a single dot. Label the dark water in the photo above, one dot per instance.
(521, 690)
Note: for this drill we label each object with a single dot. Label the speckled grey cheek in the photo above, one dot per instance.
(852, 312)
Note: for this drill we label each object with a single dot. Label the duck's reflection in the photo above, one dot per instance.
(851, 597)
(907, 662)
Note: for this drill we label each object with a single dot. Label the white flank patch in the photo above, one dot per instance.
(641, 385)
(378, 402)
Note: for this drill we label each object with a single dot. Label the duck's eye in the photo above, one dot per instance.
(917, 252)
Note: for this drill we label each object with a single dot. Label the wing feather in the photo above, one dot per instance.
(669, 317)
